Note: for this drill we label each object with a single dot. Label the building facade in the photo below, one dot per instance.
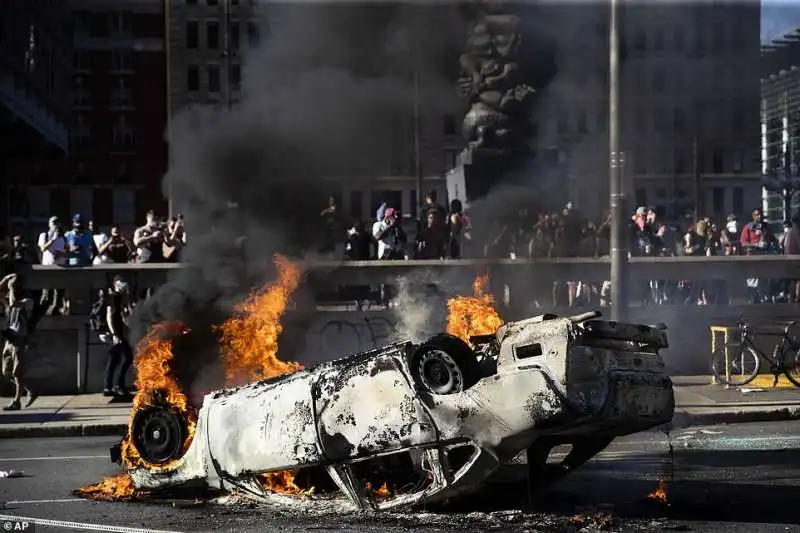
(118, 151)
(207, 43)
(689, 105)
(780, 127)
(35, 56)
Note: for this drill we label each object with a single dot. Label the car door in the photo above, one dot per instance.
(367, 406)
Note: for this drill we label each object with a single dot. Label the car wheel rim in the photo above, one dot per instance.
(158, 436)
(440, 373)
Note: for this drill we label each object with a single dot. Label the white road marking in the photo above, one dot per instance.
(64, 458)
(63, 500)
(79, 525)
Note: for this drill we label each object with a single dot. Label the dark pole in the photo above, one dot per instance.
(619, 234)
(698, 193)
(417, 132)
(226, 51)
(167, 67)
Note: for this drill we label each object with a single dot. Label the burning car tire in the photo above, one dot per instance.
(445, 365)
(159, 434)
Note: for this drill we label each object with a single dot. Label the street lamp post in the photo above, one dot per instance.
(619, 234)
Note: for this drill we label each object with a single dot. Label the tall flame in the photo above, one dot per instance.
(660, 493)
(473, 315)
(250, 337)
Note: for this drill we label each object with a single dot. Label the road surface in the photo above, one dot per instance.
(739, 478)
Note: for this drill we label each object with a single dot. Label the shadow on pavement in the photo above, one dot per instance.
(21, 417)
(746, 486)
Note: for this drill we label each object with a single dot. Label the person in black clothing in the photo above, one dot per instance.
(431, 242)
(120, 355)
(358, 243)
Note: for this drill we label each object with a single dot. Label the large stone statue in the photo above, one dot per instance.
(491, 79)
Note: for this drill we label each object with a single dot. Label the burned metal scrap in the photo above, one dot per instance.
(437, 418)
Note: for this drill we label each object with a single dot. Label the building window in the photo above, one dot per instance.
(738, 200)
(82, 61)
(679, 38)
(640, 40)
(234, 35)
(679, 120)
(124, 205)
(641, 196)
(122, 61)
(123, 139)
(718, 161)
(661, 193)
(81, 135)
(449, 124)
(602, 120)
(193, 78)
(213, 79)
(737, 116)
(718, 200)
(640, 161)
(680, 161)
(583, 126)
(39, 204)
(563, 125)
(699, 43)
(191, 2)
(718, 37)
(357, 204)
(640, 119)
(660, 120)
(212, 35)
(192, 34)
(82, 98)
(253, 34)
(122, 97)
(119, 23)
(236, 77)
(659, 81)
(212, 2)
(81, 200)
(658, 39)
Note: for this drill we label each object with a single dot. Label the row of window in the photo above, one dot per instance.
(721, 38)
(214, 37)
(715, 160)
(103, 24)
(213, 77)
(35, 204)
(123, 138)
(121, 96)
(659, 120)
(718, 207)
(85, 61)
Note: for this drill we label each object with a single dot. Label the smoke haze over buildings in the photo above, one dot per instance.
(324, 97)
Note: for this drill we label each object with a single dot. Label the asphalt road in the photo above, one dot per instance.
(738, 478)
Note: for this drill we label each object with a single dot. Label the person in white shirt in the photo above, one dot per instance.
(390, 236)
(53, 248)
(51, 244)
(100, 238)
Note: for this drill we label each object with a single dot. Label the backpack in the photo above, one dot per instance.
(97, 316)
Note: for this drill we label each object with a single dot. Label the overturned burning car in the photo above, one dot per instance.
(442, 415)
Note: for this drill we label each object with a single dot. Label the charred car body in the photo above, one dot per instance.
(447, 411)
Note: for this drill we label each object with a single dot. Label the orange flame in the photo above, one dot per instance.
(660, 494)
(282, 483)
(381, 492)
(250, 337)
(473, 315)
(119, 487)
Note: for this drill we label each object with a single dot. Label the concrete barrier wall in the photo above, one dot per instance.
(60, 362)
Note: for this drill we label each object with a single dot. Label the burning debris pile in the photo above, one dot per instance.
(249, 350)
(473, 315)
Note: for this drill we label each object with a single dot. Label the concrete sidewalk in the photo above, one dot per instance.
(697, 403)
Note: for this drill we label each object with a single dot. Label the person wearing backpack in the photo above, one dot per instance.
(120, 355)
(20, 314)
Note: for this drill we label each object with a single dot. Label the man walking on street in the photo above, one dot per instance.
(118, 309)
(15, 336)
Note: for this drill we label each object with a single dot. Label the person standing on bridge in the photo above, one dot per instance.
(120, 354)
(20, 309)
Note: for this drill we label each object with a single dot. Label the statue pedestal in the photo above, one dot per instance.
(478, 170)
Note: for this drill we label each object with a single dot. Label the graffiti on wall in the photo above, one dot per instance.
(357, 332)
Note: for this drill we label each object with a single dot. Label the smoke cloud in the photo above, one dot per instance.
(327, 95)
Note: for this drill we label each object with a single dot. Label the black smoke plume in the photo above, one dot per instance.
(328, 94)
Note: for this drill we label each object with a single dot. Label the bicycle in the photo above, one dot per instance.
(743, 359)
